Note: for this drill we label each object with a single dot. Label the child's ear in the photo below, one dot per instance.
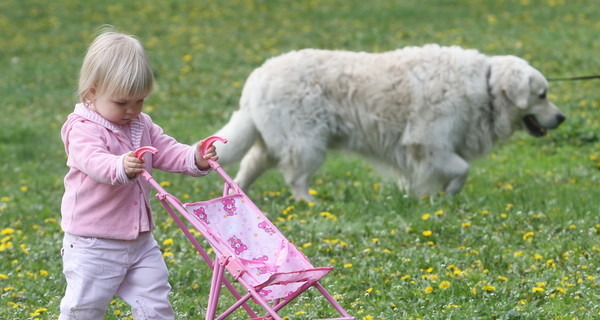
(92, 93)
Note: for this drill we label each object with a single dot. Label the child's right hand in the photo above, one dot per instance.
(132, 165)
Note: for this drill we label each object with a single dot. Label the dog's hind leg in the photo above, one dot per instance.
(299, 168)
(254, 164)
(438, 171)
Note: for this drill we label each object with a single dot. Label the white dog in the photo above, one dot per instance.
(423, 112)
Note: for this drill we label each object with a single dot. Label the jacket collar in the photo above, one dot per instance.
(135, 125)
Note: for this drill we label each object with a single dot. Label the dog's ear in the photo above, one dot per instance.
(517, 88)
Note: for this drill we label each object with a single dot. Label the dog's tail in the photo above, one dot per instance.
(241, 133)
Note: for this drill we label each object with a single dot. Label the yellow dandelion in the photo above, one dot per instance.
(425, 216)
(428, 290)
(528, 236)
(518, 254)
(427, 233)
(488, 288)
(591, 278)
(503, 279)
(312, 192)
(348, 265)
(38, 312)
(329, 215)
(537, 289)
(287, 210)
(165, 184)
(168, 242)
(445, 285)
(24, 188)
(439, 212)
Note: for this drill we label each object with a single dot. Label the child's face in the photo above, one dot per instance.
(116, 109)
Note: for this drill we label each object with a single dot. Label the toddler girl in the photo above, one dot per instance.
(108, 247)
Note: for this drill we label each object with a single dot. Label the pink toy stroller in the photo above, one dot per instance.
(248, 246)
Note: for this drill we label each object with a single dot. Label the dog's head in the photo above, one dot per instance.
(521, 92)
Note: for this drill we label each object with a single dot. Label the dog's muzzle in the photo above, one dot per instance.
(536, 129)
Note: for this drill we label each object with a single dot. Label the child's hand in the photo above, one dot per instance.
(133, 166)
(211, 153)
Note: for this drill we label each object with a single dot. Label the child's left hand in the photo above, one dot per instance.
(211, 153)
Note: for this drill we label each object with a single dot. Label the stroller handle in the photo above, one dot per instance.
(206, 143)
(139, 153)
(203, 147)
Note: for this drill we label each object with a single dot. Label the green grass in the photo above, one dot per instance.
(521, 241)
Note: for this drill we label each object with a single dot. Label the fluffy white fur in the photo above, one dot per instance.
(422, 112)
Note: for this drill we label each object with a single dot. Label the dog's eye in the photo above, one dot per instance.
(543, 95)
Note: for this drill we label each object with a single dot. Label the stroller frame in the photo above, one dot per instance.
(226, 258)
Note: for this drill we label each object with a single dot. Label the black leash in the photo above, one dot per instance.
(576, 78)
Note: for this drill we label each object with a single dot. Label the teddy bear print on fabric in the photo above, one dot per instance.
(237, 245)
(264, 292)
(263, 269)
(267, 227)
(229, 206)
(200, 213)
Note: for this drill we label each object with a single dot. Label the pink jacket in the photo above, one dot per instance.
(100, 200)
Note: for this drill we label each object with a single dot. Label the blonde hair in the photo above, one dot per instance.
(116, 64)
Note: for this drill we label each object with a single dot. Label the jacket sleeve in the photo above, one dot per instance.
(173, 156)
(88, 152)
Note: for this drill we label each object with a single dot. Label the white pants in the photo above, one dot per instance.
(97, 269)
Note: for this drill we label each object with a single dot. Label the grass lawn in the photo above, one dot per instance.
(521, 241)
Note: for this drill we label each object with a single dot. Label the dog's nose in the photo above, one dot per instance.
(560, 118)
